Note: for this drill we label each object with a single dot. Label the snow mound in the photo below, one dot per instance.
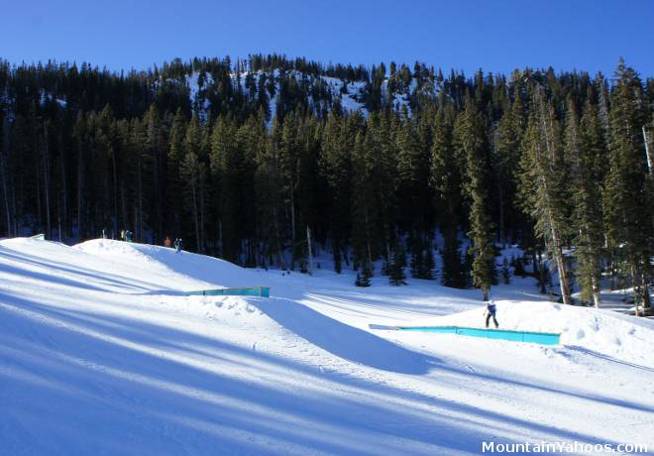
(603, 332)
(187, 270)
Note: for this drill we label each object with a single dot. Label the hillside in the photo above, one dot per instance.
(101, 352)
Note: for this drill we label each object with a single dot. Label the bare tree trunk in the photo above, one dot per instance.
(221, 251)
(637, 291)
(37, 176)
(139, 228)
(4, 158)
(201, 228)
(124, 210)
(46, 180)
(596, 291)
(158, 195)
(63, 212)
(551, 220)
(114, 171)
(3, 177)
(80, 186)
(500, 197)
(278, 239)
(647, 302)
(5, 193)
(309, 250)
(195, 216)
(647, 154)
(293, 215)
(540, 270)
(563, 273)
(641, 291)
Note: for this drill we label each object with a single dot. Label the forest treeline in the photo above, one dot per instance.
(260, 153)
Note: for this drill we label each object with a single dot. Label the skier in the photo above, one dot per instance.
(128, 236)
(178, 245)
(122, 235)
(491, 310)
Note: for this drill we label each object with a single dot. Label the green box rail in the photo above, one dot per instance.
(263, 292)
(504, 334)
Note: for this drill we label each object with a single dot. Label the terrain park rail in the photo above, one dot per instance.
(252, 291)
(504, 334)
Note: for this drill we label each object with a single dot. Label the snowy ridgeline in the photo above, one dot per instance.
(350, 95)
(102, 352)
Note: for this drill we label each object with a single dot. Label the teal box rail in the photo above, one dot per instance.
(504, 334)
(252, 291)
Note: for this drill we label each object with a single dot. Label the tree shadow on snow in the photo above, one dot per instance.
(344, 341)
(131, 387)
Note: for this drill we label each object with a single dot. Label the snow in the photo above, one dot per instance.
(603, 332)
(45, 97)
(197, 93)
(101, 352)
(349, 99)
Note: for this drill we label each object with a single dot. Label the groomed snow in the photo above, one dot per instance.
(101, 353)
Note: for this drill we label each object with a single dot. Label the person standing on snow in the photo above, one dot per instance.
(491, 310)
(178, 245)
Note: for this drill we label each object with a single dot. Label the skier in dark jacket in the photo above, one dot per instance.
(178, 244)
(491, 310)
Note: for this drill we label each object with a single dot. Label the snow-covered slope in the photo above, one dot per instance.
(101, 353)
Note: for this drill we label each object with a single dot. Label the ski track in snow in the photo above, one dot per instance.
(101, 352)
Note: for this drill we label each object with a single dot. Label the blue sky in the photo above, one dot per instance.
(497, 35)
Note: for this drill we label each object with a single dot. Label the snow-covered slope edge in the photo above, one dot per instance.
(185, 270)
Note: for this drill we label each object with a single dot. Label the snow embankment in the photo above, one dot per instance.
(617, 336)
(185, 270)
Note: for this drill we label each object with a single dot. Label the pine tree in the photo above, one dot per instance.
(363, 277)
(396, 274)
(506, 157)
(156, 151)
(5, 177)
(583, 150)
(137, 156)
(428, 262)
(628, 210)
(506, 272)
(132, 151)
(380, 147)
(269, 207)
(194, 172)
(336, 167)
(362, 205)
(175, 156)
(453, 271)
(446, 181)
(542, 179)
(471, 141)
